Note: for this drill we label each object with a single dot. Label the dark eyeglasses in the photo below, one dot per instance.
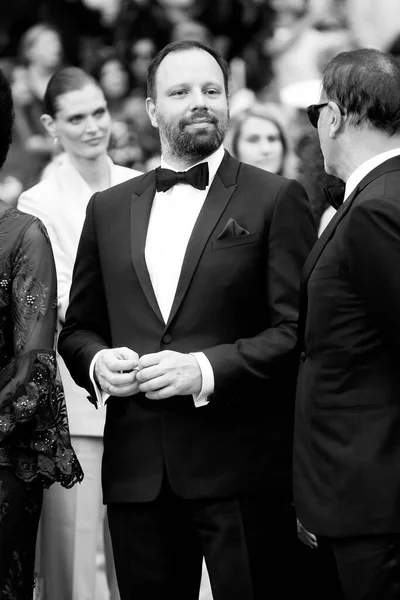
(313, 112)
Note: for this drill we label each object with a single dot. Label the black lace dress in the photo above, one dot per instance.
(35, 448)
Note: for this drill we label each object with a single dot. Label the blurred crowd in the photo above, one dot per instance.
(276, 50)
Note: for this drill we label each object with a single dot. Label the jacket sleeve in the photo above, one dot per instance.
(86, 329)
(251, 361)
(373, 246)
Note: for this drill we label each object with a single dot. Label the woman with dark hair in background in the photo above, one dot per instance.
(35, 449)
(77, 118)
(314, 178)
(115, 80)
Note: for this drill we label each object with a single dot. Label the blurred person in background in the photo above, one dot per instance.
(258, 136)
(139, 19)
(302, 31)
(32, 148)
(140, 54)
(41, 50)
(191, 30)
(312, 174)
(125, 148)
(115, 80)
(16, 169)
(76, 116)
(35, 449)
(41, 54)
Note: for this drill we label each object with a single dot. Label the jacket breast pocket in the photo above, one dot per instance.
(233, 242)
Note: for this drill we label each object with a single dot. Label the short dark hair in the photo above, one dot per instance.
(365, 83)
(183, 46)
(111, 56)
(68, 79)
(6, 117)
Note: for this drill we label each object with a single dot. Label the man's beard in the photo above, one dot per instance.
(193, 143)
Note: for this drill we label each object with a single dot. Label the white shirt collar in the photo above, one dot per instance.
(214, 161)
(366, 167)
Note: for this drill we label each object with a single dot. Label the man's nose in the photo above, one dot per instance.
(198, 100)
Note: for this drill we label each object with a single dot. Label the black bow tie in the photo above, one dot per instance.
(335, 195)
(196, 176)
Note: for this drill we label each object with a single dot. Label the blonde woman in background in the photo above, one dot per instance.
(77, 118)
(257, 136)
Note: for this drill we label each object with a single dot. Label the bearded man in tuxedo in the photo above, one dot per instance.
(183, 317)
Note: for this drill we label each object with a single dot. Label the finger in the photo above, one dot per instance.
(126, 353)
(115, 364)
(149, 373)
(154, 384)
(148, 360)
(127, 390)
(166, 392)
(120, 379)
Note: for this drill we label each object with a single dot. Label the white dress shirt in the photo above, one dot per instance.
(354, 179)
(172, 219)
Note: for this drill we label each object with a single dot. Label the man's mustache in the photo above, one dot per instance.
(199, 118)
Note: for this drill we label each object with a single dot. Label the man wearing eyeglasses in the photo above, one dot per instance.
(347, 425)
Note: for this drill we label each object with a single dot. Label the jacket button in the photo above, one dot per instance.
(303, 356)
(167, 338)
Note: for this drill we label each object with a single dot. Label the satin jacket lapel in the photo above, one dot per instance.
(325, 237)
(221, 190)
(313, 259)
(392, 164)
(140, 214)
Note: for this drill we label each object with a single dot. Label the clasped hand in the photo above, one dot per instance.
(120, 372)
(309, 539)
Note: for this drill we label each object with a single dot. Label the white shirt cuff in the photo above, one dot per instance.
(101, 396)
(207, 388)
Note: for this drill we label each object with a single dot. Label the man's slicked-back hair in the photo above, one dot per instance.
(6, 117)
(68, 79)
(365, 83)
(183, 46)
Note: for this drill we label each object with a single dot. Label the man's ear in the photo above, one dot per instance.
(336, 119)
(48, 123)
(151, 111)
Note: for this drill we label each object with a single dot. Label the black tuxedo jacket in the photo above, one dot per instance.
(236, 300)
(347, 425)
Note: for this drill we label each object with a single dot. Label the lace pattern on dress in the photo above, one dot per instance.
(34, 437)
